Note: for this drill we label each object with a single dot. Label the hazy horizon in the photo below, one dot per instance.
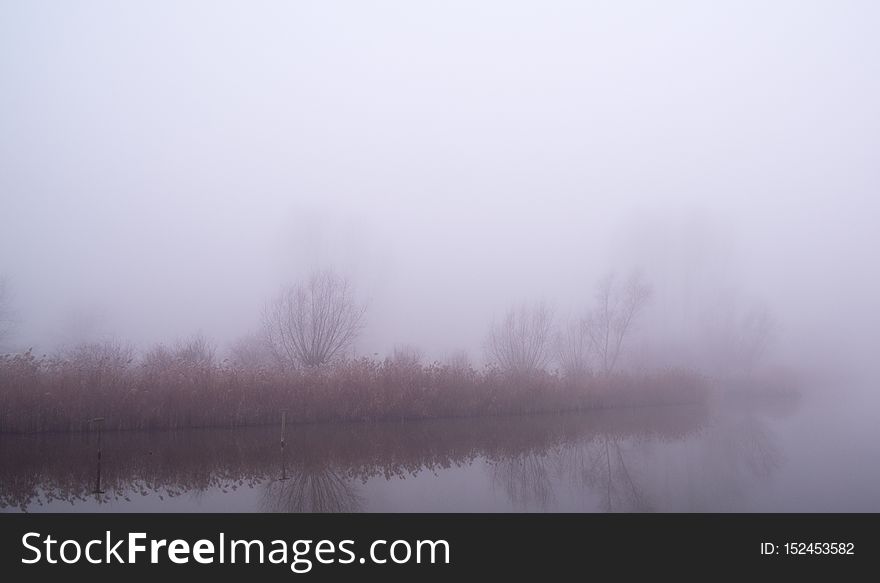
(166, 167)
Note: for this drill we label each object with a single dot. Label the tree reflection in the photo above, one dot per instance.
(758, 446)
(611, 461)
(602, 466)
(525, 479)
(310, 486)
(612, 476)
(310, 489)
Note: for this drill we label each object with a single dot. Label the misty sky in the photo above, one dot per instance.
(166, 166)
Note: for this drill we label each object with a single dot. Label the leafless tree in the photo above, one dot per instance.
(573, 351)
(617, 307)
(7, 317)
(313, 323)
(459, 360)
(251, 352)
(157, 359)
(735, 339)
(755, 335)
(84, 324)
(520, 343)
(407, 355)
(197, 351)
(103, 363)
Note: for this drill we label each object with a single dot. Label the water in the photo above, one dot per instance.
(741, 453)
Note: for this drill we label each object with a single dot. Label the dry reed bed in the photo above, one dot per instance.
(45, 394)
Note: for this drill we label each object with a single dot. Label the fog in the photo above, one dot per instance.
(166, 167)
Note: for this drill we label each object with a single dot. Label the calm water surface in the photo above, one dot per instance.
(738, 454)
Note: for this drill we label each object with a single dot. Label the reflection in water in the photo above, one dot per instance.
(737, 451)
(597, 465)
(613, 461)
(318, 489)
(757, 447)
(605, 470)
(525, 479)
(311, 486)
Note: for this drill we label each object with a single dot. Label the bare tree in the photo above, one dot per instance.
(407, 355)
(197, 351)
(459, 361)
(7, 317)
(103, 363)
(734, 339)
(312, 324)
(157, 359)
(109, 354)
(573, 350)
(617, 307)
(756, 334)
(83, 324)
(520, 343)
(251, 352)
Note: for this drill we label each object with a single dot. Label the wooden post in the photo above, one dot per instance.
(283, 419)
(283, 450)
(99, 421)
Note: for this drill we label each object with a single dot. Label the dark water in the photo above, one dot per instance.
(740, 453)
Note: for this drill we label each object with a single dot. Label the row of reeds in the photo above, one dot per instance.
(61, 394)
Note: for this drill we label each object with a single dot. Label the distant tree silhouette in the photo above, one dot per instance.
(7, 319)
(521, 342)
(103, 363)
(407, 355)
(251, 352)
(196, 351)
(573, 351)
(617, 307)
(313, 323)
(735, 339)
